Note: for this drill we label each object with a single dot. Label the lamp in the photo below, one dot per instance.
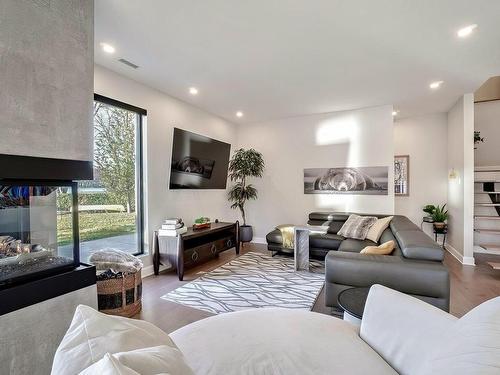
(453, 174)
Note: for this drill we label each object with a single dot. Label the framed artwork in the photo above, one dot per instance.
(402, 175)
(362, 180)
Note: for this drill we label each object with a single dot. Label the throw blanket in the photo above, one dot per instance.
(287, 235)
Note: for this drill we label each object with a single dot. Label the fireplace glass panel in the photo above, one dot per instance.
(37, 230)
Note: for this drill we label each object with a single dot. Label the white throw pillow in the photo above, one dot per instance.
(471, 346)
(92, 334)
(108, 365)
(155, 360)
(376, 230)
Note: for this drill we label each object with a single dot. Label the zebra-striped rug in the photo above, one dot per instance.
(252, 280)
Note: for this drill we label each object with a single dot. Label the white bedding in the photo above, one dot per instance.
(276, 341)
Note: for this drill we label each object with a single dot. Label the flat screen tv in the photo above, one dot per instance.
(198, 162)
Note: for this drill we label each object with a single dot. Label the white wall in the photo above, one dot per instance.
(165, 113)
(352, 138)
(460, 190)
(424, 138)
(487, 120)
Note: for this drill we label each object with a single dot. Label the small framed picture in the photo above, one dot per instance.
(402, 175)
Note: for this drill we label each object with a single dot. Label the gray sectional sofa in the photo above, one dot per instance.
(415, 266)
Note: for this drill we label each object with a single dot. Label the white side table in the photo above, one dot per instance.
(301, 244)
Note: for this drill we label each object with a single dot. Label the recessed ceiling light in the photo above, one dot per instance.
(395, 112)
(108, 48)
(466, 31)
(239, 114)
(436, 85)
(193, 90)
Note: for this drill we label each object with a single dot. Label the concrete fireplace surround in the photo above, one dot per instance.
(48, 47)
(30, 336)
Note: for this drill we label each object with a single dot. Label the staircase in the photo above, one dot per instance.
(487, 210)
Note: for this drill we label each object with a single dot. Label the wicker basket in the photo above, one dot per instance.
(120, 296)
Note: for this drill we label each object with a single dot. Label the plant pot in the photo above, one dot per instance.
(439, 225)
(246, 233)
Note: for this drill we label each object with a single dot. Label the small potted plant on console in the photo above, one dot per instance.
(244, 164)
(201, 223)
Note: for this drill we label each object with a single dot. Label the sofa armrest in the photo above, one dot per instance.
(401, 329)
(421, 278)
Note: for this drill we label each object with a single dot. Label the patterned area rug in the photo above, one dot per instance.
(252, 280)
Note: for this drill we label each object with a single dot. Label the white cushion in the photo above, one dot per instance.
(108, 365)
(92, 334)
(401, 328)
(155, 360)
(272, 341)
(471, 346)
(376, 230)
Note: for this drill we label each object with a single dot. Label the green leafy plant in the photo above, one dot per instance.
(429, 209)
(440, 215)
(477, 137)
(202, 220)
(244, 164)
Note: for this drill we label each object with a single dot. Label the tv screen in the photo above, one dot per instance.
(198, 162)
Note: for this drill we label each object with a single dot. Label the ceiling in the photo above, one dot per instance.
(281, 58)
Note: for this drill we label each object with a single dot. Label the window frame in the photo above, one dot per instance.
(141, 113)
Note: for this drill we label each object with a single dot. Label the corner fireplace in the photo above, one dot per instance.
(39, 239)
(38, 229)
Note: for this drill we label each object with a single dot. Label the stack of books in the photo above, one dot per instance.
(172, 228)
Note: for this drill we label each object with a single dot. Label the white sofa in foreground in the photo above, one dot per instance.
(398, 334)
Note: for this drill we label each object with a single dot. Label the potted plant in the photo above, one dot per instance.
(477, 138)
(428, 209)
(244, 164)
(439, 215)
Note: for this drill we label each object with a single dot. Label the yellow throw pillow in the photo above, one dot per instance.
(378, 228)
(385, 249)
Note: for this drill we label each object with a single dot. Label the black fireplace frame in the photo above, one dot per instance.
(75, 226)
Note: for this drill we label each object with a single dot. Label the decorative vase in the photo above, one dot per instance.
(246, 233)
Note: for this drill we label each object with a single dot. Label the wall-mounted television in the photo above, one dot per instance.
(198, 162)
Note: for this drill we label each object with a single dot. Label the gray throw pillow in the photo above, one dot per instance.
(357, 227)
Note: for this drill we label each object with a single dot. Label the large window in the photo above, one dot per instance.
(111, 205)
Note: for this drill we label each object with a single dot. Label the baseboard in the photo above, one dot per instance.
(466, 261)
(259, 240)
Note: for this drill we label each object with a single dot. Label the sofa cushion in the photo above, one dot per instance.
(402, 329)
(325, 241)
(92, 334)
(357, 227)
(378, 228)
(385, 249)
(276, 341)
(108, 365)
(471, 346)
(355, 246)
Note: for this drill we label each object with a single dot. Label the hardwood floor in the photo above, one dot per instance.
(469, 287)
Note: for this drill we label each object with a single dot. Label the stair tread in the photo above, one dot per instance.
(495, 266)
(486, 217)
(487, 204)
(487, 230)
(487, 192)
(490, 246)
(483, 181)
